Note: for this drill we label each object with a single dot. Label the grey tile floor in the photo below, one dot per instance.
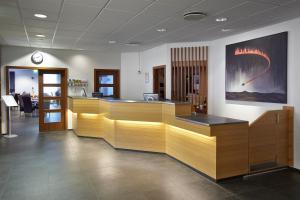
(62, 166)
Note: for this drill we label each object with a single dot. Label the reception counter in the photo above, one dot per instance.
(216, 146)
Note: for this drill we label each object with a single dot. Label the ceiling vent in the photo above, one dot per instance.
(194, 16)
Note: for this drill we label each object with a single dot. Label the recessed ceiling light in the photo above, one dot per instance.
(40, 36)
(161, 30)
(193, 16)
(112, 42)
(221, 19)
(226, 30)
(42, 16)
(134, 44)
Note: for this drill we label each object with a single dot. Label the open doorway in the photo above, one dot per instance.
(159, 81)
(41, 94)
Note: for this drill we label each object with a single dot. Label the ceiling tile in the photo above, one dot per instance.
(8, 3)
(129, 5)
(15, 42)
(9, 12)
(12, 27)
(247, 10)
(78, 14)
(29, 14)
(276, 2)
(39, 24)
(98, 3)
(64, 33)
(109, 21)
(213, 7)
(163, 10)
(40, 40)
(71, 27)
(180, 3)
(13, 35)
(102, 30)
(40, 45)
(36, 30)
(41, 5)
(113, 16)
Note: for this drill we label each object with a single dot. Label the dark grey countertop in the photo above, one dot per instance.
(110, 99)
(209, 120)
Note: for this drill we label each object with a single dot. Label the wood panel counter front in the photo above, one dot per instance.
(218, 149)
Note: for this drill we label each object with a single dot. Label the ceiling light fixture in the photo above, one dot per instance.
(133, 44)
(112, 42)
(194, 16)
(221, 19)
(226, 30)
(40, 36)
(42, 16)
(161, 30)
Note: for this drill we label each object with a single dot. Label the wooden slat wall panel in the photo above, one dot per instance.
(188, 63)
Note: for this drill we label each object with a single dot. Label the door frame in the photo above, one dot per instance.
(153, 76)
(108, 70)
(66, 71)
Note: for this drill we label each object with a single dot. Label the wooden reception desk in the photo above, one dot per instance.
(216, 146)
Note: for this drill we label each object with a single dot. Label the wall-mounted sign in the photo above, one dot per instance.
(256, 70)
(37, 57)
(147, 79)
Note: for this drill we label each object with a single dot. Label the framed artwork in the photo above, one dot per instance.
(256, 70)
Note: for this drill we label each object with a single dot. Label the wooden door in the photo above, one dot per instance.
(159, 81)
(52, 99)
(107, 82)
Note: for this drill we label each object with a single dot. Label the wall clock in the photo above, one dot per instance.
(37, 58)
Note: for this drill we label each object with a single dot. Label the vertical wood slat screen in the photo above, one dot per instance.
(189, 64)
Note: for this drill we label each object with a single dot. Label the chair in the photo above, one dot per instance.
(15, 95)
(21, 103)
(28, 107)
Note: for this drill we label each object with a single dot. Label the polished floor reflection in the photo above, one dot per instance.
(61, 166)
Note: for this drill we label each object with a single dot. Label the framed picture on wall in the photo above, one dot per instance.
(256, 70)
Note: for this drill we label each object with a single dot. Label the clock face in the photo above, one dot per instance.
(37, 58)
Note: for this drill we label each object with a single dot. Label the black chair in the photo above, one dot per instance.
(28, 107)
(21, 103)
(16, 97)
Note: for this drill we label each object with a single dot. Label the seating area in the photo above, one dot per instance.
(26, 104)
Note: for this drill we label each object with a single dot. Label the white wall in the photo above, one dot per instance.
(250, 110)
(217, 104)
(131, 80)
(81, 64)
(25, 80)
(154, 57)
(133, 84)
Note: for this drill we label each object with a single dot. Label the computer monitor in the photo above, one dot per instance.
(151, 97)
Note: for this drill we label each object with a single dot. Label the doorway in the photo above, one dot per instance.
(107, 82)
(159, 81)
(44, 93)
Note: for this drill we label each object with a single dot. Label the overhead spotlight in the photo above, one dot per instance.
(134, 44)
(42, 16)
(226, 29)
(221, 19)
(40, 36)
(161, 30)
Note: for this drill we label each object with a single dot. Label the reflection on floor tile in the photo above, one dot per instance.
(62, 166)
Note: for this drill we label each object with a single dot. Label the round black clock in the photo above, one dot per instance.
(37, 58)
